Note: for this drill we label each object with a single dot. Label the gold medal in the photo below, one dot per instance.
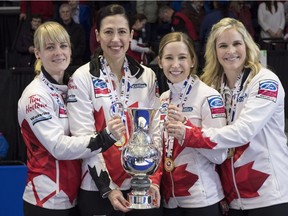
(169, 164)
(120, 142)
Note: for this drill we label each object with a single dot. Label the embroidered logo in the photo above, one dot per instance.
(100, 88)
(139, 85)
(216, 106)
(40, 117)
(268, 89)
(71, 98)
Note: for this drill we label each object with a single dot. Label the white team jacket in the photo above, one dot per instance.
(89, 110)
(53, 174)
(257, 175)
(194, 182)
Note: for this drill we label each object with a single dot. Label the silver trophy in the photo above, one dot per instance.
(140, 156)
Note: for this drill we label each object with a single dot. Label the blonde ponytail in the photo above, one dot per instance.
(37, 67)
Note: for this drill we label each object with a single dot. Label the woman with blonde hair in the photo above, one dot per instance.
(254, 176)
(213, 70)
(53, 171)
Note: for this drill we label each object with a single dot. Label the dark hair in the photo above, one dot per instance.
(110, 10)
(36, 16)
(269, 5)
(135, 17)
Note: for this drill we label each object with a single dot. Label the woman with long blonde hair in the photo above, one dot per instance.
(254, 176)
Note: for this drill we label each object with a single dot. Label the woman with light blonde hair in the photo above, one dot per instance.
(213, 70)
(254, 175)
(54, 174)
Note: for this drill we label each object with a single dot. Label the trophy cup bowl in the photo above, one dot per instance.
(140, 156)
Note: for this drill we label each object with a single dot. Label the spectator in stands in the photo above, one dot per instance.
(243, 14)
(76, 32)
(219, 11)
(81, 14)
(194, 10)
(93, 44)
(4, 146)
(25, 45)
(44, 8)
(149, 9)
(138, 49)
(271, 18)
(180, 22)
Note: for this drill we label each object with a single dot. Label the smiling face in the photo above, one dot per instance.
(114, 36)
(55, 56)
(231, 51)
(176, 61)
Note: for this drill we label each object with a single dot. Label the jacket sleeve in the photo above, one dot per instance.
(45, 124)
(257, 112)
(82, 121)
(79, 105)
(210, 119)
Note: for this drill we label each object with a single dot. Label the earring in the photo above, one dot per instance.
(192, 66)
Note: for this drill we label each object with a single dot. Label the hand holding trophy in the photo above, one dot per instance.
(140, 156)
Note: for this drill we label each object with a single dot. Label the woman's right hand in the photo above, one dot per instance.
(116, 127)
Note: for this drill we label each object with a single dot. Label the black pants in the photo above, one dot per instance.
(91, 203)
(32, 210)
(212, 210)
(275, 210)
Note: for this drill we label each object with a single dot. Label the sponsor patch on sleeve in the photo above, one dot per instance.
(100, 88)
(71, 98)
(268, 89)
(216, 106)
(39, 117)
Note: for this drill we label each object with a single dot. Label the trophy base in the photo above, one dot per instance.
(140, 201)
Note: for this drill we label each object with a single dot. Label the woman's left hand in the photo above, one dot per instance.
(155, 192)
